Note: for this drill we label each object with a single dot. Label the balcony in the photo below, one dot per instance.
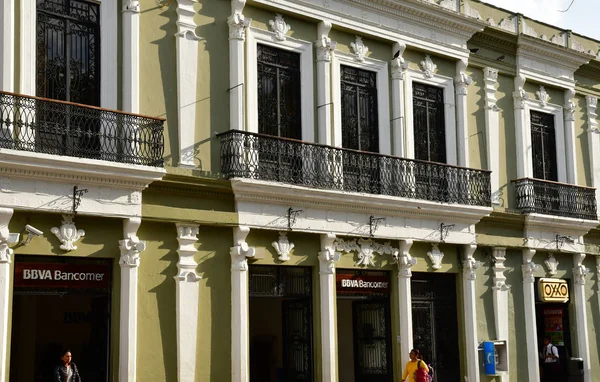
(557, 199)
(67, 129)
(267, 158)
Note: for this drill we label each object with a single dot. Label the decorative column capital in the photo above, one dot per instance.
(403, 259)
(469, 263)
(592, 118)
(529, 267)
(241, 251)
(131, 246)
(462, 80)
(520, 95)
(398, 64)
(580, 271)
(328, 255)
(187, 236)
(131, 6)
(569, 108)
(237, 26)
(5, 251)
(490, 79)
(499, 257)
(186, 27)
(324, 45)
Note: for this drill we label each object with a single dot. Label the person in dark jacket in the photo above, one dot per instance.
(66, 371)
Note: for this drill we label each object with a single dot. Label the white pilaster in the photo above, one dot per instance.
(492, 131)
(500, 293)
(237, 88)
(462, 81)
(398, 69)
(187, 294)
(131, 54)
(580, 272)
(523, 140)
(7, 39)
(187, 75)
(327, 258)
(5, 284)
(569, 126)
(405, 261)
(324, 47)
(109, 31)
(130, 246)
(240, 252)
(593, 143)
(528, 268)
(27, 45)
(470, 266)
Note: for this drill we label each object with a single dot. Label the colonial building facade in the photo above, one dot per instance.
(295, 190)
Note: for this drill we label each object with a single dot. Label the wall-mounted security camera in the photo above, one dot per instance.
(31, 233)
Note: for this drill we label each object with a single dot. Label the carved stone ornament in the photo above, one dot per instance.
(508, 25)
(366, 248)
(580, 271)
(5, 253)
(241, 251)
(551, 264)
(470, 266)
(529, 267)
(576, 45)
(499, 256)
(490, 79)
(186, 26)
(528, 30)
(462, 80)
(68, 234)
(5, 235)
(403, 259)
(283, 247)
(237, 26)
(428, 67)
(436, 256)
(359, 48)
(279, 27)
(592, 116)
(131, 6)
(324, 45)
(131, 246)
(328, 258)
(569, 108)
(398, 64)
(520, 95)
(542, 96)
(558, 39)
(187, 236)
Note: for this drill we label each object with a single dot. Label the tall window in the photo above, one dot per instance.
(543, 144)
(429, 125)
(68, 51)
(359, 109)
(279, 111)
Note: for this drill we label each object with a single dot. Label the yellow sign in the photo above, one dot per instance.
(553, 290)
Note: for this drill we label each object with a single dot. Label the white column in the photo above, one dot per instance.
(187, 295)
(27, 45)
(324, 47)
(240, 252)
(528, 268)
(500, 293)
(462, 81)
(405, 262)
(131, 54)
(7, 39)
(5, 285)
(237, 59)
(569, 126)
(492, 130)
(523, 140)
(130, 246)
(580, 272)
(109, 61)
(470, 314)
(327, 258)
(398, 69)
(593, 143)
(187, 75)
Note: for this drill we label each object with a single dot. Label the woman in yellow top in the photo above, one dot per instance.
(413, 365)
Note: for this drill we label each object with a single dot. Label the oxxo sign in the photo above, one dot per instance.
(48, 275)
(553, 290)
(362, 284)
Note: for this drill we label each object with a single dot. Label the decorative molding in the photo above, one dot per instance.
(324, 45)
(471, 12)
(449, 4)
(469, 263)
(490, 79)
(499, 257)
(580, 271)
(428, 67)
(398, 65)
(576, 45)
(186, 27)
(529, 267)
(359, 48)
(508, 24)
(328, 255)
(559, 39)
(542, 96)
(68, 233)
(592, 117)
(404, 261)
(131, 246)
(569, 107)
(528, 30)
(283, 246)
(436, 256)
(187, 237)
(462, 80)
(241, 251)
(279, 27)
(366, 248)
(551, 264)
(131, 6)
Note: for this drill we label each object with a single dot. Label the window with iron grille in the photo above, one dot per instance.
(279, 111)
(543, 146)
(428, 123)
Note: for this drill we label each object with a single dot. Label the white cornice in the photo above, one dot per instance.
(556, 224)
(248, 190)
(24, 164)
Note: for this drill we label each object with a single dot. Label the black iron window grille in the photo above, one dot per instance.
(428, 123)
(92, 132)
(323, 167)
(360, 127)
(278, 281)
(553, 198)
(543, 145)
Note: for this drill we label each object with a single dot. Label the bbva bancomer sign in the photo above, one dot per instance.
(61, 275)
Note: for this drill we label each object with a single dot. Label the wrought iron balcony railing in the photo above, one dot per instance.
(64, 128)
(263, 157)
(552, 198)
